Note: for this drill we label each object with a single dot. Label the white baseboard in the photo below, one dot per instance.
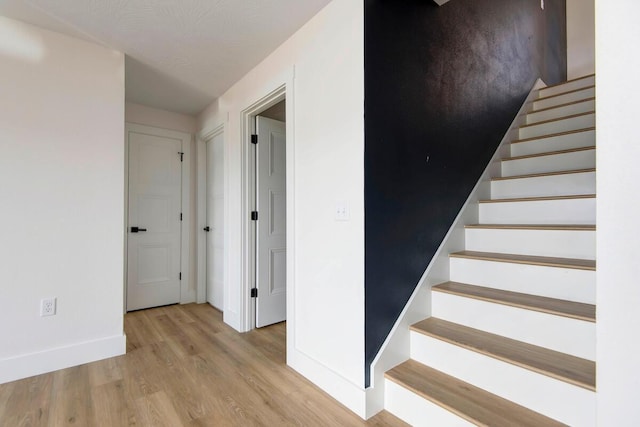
(338, 387)
(28, 365)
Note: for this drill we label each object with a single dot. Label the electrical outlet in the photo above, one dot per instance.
(47, 307)
(342, 212)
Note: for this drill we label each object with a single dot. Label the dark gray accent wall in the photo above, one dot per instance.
(442, 86)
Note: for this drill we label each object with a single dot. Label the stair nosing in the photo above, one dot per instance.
(542, 261)
(468, 405)
(550, 227)
(543, 174)
(549, 153)
(544, 122)
(563, 93)
(554, 135)
(539, 199)
(569, 81)
(493, 353)
(509, 300)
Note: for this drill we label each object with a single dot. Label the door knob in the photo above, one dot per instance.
(207, 229)
(137, 229)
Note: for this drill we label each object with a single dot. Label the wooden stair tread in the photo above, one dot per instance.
(563, 93)
(561, 105)
(539, 199)
(578, 264)
(537, 175)
(562, 227)
(549, 153)
(570, 309)
(552, 135)
(463, 399)
(572, 116)
(568, 81)
(561, 366)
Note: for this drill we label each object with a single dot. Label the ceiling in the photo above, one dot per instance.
(180, 54)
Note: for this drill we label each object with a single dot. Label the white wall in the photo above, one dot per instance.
(61, 222)
(149, 116)
(322, 66)
(581, 56)
(618, 273)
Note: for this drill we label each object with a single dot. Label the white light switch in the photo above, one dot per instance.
(342, 212)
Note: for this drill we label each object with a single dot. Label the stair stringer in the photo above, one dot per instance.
(396, 347)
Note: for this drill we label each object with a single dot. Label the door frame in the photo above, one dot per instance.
(201, 209)
(249, 190)
(186, 295)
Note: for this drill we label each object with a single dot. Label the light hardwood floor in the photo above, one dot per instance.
(183, 367)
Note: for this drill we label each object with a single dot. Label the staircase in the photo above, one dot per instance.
(511, 340)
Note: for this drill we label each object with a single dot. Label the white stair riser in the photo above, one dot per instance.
(563, 211)
(554, 143)
(570, 336)
(417, 411)
(553, 282)
(554, 398)
(578, 95)
(558, 126)
(562, 111)
(555, 243)
(568, 86)
(541, 186)
(585, 159)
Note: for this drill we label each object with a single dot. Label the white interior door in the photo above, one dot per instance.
(215, 222)
(271, 225)
(153, 243)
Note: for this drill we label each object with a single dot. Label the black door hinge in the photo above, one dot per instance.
(254, 139)
(180, 216)
(254, 293)
(254, 216)
(181, 155)
(180, 276)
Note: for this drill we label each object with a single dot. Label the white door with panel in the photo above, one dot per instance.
(271, 225)
(154, 223)
(215, 222)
